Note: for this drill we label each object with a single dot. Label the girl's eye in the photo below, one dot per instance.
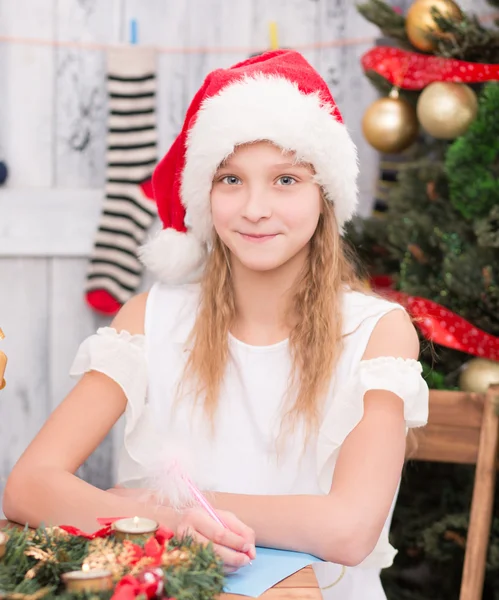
(286, 180)
(231, 180)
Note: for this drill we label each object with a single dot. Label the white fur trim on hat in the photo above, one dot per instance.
(268, 108)
(172, 255)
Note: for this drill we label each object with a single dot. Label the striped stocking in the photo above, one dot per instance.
(114, 271)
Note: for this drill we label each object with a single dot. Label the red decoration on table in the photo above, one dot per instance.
(161, 536)
(103, 532)
(414, 71)
(130, 587)
(441, 325)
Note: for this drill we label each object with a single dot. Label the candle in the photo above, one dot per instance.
(274, 40)
(88, 580)
(4, 538)
(133, 529)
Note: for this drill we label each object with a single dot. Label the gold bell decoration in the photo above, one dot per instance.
(478, 374)
(3, 363)
(420, 21)
(446, 109)
(390, 124)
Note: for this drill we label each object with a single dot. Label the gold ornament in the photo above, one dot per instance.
(478, 374)
(390, 124)
(420, 21)
(446, 109)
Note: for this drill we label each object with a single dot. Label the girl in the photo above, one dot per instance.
(290, 387)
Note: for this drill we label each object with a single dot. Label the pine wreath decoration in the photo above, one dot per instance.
(161, 566)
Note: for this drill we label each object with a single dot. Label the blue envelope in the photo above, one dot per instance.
(269, 567)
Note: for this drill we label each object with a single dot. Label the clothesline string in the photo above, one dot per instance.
(182, 50)
(6, 39)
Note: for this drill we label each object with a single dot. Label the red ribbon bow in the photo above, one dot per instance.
(441, 325)
(414, 71)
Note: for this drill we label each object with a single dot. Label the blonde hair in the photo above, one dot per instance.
(315, 339)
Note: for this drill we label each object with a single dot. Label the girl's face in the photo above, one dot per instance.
(264, 207)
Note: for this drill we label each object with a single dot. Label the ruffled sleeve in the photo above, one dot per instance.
(121, 356)
(403, 377)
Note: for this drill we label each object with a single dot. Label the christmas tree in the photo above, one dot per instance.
(433, 244)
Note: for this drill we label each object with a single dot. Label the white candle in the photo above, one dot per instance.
(136, 527)
(3, 543)
(88, 580)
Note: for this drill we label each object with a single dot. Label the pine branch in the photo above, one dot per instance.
(472, 160)
(386, 18)
(467, 39)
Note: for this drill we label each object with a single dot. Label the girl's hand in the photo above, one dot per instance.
(235, 546)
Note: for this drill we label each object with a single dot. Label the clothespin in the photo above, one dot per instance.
(134, 32)
(3, 363)
(273, 35)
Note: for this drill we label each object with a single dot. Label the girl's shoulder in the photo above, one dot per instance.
(172, 309)
(361, 308)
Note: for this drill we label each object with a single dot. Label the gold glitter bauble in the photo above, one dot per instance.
(419, 21)
(390, 124)
(446, 109)
(478, 374)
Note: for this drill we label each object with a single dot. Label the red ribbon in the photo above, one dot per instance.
(103, 532)
(414, 71)
(441, 325)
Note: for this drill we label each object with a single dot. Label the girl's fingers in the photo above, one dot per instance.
(216, 533)
(232, 559)
(237, 526)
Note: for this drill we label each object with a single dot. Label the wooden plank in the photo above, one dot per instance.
(438, 443)
(297, 24)
(71, 322)
(482, 502)
(304, 579)
(23, 314)
(340, 66)
(80, 92)
(28, 73)
(456, 409)
(54, 222)
(231, 28)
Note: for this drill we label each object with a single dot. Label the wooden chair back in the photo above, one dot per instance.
(464, 428)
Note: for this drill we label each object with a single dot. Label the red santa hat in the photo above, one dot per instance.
(276, 97)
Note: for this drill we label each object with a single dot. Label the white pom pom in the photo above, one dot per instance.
(172, 256)
(170, 476)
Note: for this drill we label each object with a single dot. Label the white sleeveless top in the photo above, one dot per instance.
(241, 456)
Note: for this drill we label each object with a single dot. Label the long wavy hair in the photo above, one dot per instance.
(315, 339)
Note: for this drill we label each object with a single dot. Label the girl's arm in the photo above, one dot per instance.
(42, 486)
(344, 526)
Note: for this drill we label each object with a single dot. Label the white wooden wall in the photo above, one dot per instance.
(52, 134)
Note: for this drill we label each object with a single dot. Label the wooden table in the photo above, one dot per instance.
(300, 586)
